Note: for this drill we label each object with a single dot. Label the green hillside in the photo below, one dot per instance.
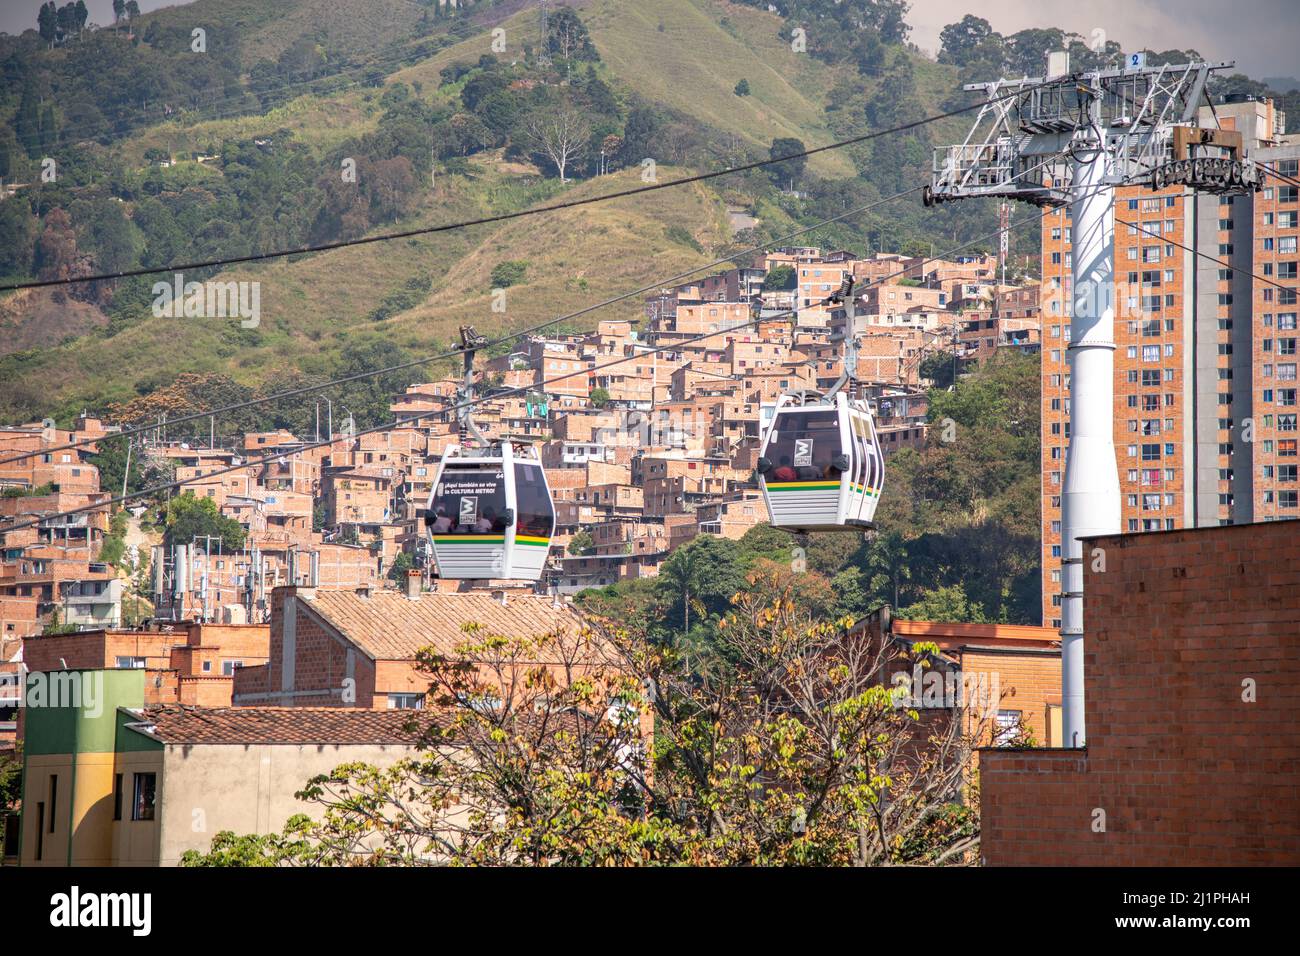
(678, 60)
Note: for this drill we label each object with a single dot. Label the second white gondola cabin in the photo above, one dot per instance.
(820, 466)
(490, 514)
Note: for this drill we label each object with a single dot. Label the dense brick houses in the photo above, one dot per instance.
(669, 443)
(1192, 665)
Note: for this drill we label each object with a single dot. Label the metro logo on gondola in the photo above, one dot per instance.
(803, 452)
(468, 509)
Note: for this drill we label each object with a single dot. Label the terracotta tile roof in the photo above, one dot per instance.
(175, 723)
(390, 626)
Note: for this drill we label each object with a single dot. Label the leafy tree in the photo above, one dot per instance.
(599, 397)
(700, 577)
(958, 42)
(582, 543)
(640, 132)
(368, 399)
(11, 777)
(780, 279)
(189, 515)
(939, 368)
(508, 273)
(742, 88)
(795, 753)
(567, 39)
(789, 170)
(401, 564)
(764, 541)
(113, 240)
(113, 549)
(948, 603)
(18, 228)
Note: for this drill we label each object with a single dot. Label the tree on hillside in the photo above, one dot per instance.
(567, 39)
(959, 41)
(189, 515)
(18, 229)
(560, 134)
(47, 22)
(788, 171)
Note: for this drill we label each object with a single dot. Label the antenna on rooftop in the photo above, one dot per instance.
(1069, 139)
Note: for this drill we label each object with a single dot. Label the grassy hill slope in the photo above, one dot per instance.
(685, 54)
(313, 306)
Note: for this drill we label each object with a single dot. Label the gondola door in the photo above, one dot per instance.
(534, 520)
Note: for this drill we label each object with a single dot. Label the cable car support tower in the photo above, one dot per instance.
(1069, 139)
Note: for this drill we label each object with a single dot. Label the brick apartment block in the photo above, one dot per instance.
(1205, 388)
(1180, 627)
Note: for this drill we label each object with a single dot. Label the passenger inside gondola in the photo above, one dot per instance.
(441, 521)
(784, 471)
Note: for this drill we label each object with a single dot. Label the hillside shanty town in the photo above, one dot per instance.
(647, 455)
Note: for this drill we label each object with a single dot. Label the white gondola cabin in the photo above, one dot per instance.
(820, 467)
(490, 514)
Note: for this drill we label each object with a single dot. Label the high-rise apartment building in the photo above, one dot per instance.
(1205, 354)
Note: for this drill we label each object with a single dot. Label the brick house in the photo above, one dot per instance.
(321, 639)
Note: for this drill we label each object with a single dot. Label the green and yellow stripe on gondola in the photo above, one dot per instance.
(532, 541)
(820, 485)
(864, 490)
(470, 539)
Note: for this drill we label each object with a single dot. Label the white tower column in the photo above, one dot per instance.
(1090, 502)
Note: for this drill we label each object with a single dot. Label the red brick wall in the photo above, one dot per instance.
(320, 664)
(1186, 772)
(1028, 682)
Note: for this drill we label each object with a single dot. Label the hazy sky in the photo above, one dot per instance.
(19, 15)
(1263, 36)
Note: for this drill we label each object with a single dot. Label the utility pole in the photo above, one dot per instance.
(543, 33)
(1069, 139)
(126, 472)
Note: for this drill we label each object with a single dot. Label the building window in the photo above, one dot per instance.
(146, 785)
(130, 663)
(1008, 728)
(406, 701)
